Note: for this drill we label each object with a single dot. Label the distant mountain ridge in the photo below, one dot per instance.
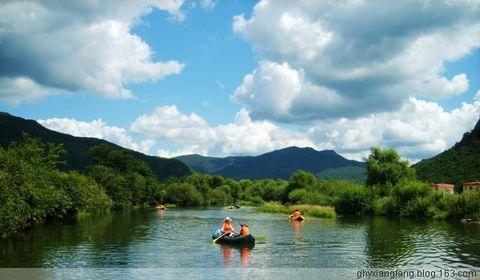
(456, 165)
(280, 164)
(78, 157)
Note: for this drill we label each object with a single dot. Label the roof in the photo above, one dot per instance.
(443, 185)
(477, 183)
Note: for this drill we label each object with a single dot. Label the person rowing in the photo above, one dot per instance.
(227, 227)
(297, 215)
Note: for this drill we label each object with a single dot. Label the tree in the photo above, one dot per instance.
(385, 167)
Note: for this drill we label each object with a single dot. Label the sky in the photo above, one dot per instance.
(220, 78)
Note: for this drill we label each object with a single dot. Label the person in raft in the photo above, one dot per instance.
(295, 214)
(244, 230)
(227, 227)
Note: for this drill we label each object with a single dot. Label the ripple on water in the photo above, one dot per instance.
(182, 238)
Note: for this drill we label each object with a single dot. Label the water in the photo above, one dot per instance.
(182, 239)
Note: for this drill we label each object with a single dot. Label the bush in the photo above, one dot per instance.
(298, 196)
(309, 210)
(354, 200)
(463, 206)
(184, 194)
(32, 189)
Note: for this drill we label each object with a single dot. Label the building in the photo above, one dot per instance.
(471, 187)
(445, 188)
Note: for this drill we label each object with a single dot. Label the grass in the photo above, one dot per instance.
(306, 209)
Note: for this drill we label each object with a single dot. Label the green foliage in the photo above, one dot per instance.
(455, 165)
(78, 157)
(462, 206)
(33, 189)
(306, 209)
(385, 167)
(409, 198)
(357, 174)
(128, 181)
(301, 180)
(279, 164)
(353, 200)
(184, 194)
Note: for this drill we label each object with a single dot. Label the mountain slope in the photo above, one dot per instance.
(208, 165)
(280, 164)
(458, 164)
(12, 129)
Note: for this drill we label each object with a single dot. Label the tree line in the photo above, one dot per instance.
(33, 188)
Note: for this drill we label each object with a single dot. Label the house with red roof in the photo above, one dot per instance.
(444, 188)
(471, 187)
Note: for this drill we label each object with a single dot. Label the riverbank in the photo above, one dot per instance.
(308, 210)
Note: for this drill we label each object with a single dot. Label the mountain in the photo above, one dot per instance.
(12, 129)
(458, 164)
(280, 164)
(207, 165)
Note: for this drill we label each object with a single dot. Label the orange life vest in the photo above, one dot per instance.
(227, 226)
(244, 231)
(296, 214)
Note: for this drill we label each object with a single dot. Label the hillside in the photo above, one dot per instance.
(458, 164)
(12, 129)
(280, 164)
(206, 165)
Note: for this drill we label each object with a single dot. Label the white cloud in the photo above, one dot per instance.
(353, 58)
(420, 129)
(77, 46)
(18, 89)
(168, 124)
(194, 135)
(208, 4)
(97, 129)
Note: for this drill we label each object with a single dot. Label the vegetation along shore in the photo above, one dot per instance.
(35, 188)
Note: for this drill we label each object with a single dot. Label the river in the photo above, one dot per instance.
(182, 239)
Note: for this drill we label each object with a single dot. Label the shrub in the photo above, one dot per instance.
(184, 194)
(353, 199)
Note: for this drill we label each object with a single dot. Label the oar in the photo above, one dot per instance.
(216, 239)
(261, 236)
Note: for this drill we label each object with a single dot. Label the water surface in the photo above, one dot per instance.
(182, 239)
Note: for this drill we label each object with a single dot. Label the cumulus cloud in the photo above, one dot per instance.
(353, 58)
(194, 135)
(419, 129)
(63, 46)
(97, 129)
(167, 123)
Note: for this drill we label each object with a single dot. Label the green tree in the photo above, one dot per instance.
(385, 167)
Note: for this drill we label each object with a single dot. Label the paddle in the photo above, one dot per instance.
(261, 236)
(216, 239)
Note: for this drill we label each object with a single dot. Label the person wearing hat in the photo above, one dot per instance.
(227, 226)
(244, 230)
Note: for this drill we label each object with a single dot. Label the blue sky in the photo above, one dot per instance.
(246, 77)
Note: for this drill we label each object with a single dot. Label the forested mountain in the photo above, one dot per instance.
(78, 157)
(280, 164)
(458, 164)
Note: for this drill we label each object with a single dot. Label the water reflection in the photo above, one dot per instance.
(243, 253)
(297, 226)
(405, 242)
(227, 254)
(181, 238)
(88, 241)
